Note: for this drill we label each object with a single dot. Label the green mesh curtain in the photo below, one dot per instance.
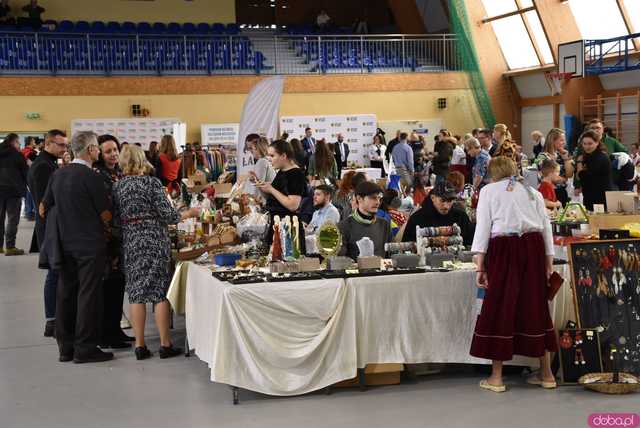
(468, 59)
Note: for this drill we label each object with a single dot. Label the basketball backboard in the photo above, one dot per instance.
(571, 58)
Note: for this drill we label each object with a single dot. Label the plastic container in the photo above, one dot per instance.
(226, 259)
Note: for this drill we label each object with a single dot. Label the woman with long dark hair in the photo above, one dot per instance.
(299, 155)
(322, 164)
(285, 192)
(594, 169)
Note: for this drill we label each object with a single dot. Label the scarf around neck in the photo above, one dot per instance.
(362, 218)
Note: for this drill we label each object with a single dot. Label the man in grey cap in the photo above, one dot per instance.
(438, 210)
(363, 222)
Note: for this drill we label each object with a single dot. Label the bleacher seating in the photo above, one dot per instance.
(112, 50)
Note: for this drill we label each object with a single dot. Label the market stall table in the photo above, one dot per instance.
(289, 338)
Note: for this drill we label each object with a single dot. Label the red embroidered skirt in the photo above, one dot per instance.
(514, 319)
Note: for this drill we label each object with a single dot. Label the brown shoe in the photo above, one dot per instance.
(13, 252)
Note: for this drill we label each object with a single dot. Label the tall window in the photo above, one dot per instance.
(519, 31)
(606, 19)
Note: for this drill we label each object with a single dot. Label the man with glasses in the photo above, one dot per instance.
(613, 145)
(363, 222)
(42, 168)
(78, 202)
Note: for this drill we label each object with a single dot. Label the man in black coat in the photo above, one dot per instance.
(82, 208)
(341, 150)
(55, 145)
(438, 210)
(391, 145)
(13, 187)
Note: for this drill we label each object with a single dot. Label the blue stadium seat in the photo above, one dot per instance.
(113, 27)
(174, 28)
(232, 29)
(98, 27)
(82, 27)
(159, 28)
(217, 28)
(128, 27)
(203, 28)
(144, 28)
(65, 26)
(188, 28)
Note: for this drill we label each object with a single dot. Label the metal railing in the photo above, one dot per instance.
(610, 55)
(23, 53)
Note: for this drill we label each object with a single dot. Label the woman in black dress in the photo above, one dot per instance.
(285, 192)
(594, 170)
(108, 168)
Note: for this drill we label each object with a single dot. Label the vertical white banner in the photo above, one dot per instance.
(259, 116)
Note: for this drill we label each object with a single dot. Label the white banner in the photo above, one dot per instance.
(259, 116)
(357, 129)
(224, 134)
(142, 131)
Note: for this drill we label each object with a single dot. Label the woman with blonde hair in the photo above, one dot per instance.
(144, 213)
(514, 247)
(554, 149)
(500, 134)
(169, 164)
(262, 171)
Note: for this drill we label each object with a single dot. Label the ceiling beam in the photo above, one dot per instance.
(506, 15)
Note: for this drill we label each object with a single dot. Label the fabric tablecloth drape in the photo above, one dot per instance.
(289, 338)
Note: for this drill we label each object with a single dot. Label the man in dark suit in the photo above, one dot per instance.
(341, 153)
(391, 145)
(55, 145)
(78, 195)
(308, 142)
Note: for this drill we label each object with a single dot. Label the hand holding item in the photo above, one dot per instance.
(481, 280)
(564, 154)
(264, 187)
(549, 266)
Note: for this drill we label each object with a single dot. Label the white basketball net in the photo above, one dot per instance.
(555, 81)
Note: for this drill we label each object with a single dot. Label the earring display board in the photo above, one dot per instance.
(358, 131)
(606, 278)
(579, 354)
(142, 131)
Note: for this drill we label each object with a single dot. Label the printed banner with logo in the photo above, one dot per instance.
(358, 131)
(133, 131)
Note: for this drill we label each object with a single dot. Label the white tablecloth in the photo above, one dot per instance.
(284, 338)
(291, 338)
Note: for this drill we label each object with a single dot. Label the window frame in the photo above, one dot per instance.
(521, 11)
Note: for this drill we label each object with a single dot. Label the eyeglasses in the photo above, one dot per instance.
(62, 145)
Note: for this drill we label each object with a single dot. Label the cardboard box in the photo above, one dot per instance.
(222, 188)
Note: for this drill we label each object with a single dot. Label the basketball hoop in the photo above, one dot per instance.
(555, 80)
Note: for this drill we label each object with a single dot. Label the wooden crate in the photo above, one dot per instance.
(376, 375)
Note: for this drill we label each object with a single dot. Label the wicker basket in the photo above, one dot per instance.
(603, 382)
